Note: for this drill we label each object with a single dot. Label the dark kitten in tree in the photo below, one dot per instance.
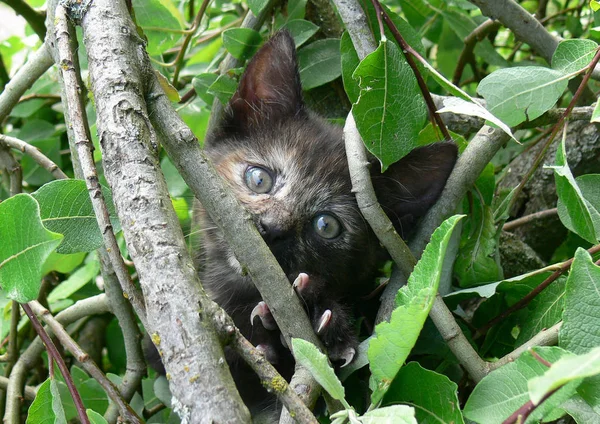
(288, 167)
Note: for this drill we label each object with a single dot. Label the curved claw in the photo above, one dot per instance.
(324, 321)
(264, 313)
(301, 282)
(348, 356)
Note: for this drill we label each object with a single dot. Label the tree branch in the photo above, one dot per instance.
(178, 311)
(34, 18)
(127, 413)
(41, 159)
(28, 359)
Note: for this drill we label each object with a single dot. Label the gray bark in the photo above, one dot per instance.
(583, 155)
(178, 311)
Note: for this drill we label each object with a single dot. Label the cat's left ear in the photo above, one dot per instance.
(409, 187)
(269, 89)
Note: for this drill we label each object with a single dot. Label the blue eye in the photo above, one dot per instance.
(327, 226)
(258, 180)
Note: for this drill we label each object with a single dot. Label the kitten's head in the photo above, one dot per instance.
(288, 167)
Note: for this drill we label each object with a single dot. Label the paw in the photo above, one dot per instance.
(335, 331)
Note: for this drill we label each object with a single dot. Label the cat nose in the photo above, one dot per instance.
(273, 231)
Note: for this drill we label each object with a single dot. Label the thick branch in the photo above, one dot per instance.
(178, 311)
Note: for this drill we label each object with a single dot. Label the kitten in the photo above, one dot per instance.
(288, 168)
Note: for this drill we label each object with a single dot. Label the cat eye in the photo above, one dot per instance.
(258, 179)
(327, 226)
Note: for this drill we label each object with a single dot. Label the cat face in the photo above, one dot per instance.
(288, 168)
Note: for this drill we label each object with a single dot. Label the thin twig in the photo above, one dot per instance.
(41, 159)
(564, 267)
(55, 356)
(127, 413)
(524, 220)
(13, 169)
(186, 41)
(470, 42)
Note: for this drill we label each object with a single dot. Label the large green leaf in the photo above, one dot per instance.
(241, 43)
(520, 94)
(390, 111)
(580, 331)
(567, 369)
(201, 84)
(394, 340)
(161, 22)
(579, 215)
(24, 248)
(313, 360)
(505, 390)
(589, 187)
(66, 208)
(224, 87)
(47, 407)
(319, 62)
(573, 55)
(433, 395)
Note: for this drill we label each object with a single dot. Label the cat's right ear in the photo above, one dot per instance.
(269, 90)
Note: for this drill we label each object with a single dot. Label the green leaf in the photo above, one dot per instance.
(477, 260)
(433, 395)
(395, 414)
(580, 331)
(94, 417)
(256, 6)
(589, 186)
(300, 30)
(464, 107)
(545, 310)
(161, 22)
(319, 63)
(313, 360)
(572, 56)
(390, 111)
(296, 9)
(581, 411)
(64, 264)
(350, 61)
(66, 208)
(565, 370)
(394, 340)
(523, 93)
(75, 281)
(224, 87)
(46, 407)
(25, 246)
(241, 43)
(504, 390)
(596, 113)
(575, 213)
(595, 5)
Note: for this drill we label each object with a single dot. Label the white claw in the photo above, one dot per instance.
(324, 321)
(301, 282)
(348, 356)
(262, 311)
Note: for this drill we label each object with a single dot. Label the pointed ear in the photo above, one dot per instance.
(269, 89)
(412, 185)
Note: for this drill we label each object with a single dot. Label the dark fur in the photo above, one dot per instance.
(267, 125)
